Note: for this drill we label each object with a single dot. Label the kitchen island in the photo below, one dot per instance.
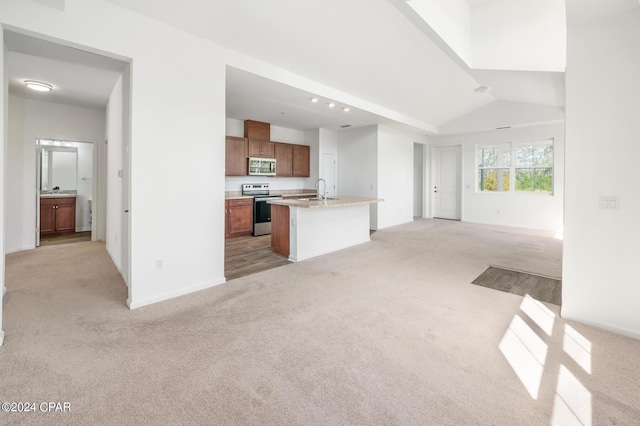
(302, 229)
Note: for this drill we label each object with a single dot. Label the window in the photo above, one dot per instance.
(516, 167)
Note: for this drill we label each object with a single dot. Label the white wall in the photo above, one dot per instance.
(4, 119)
(418, 179)
(358, 165)
(28, 121)
(20, 234)
(113, 237)
(328, 145)
(536, 211)
(602, 247)
(395, 176)
(84, 185)
(177, 138)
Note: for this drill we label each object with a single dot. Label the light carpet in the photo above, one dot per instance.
(387, 332)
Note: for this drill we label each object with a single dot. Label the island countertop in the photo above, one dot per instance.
(327, 203)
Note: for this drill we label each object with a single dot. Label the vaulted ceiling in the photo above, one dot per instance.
(376, 50)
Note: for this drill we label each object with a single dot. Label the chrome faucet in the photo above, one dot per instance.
(324, 192)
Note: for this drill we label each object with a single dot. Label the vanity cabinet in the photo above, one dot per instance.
(236, 156)
(292, 160)
(238, 217)
(57, 216)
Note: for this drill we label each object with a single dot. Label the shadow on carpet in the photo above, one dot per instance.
(541, 288)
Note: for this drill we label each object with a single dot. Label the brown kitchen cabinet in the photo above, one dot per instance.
(57, 216)
(238, 217)
(292, 160)
(236, 156)
(260, 148)
(257, 130)
(280, 230)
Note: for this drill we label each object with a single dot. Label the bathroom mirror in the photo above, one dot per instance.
(58, 167)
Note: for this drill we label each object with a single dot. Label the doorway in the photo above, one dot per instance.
(446, 182)
(64, 191)
(418, 180)
(329, 174)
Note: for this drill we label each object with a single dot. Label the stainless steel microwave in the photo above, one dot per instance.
(262, 166)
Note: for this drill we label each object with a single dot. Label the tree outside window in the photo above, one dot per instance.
(530, 171)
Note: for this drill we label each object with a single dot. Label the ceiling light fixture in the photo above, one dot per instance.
(346, 109)
(331, 104)
(314, 100)
(482, 89)
(38, 86)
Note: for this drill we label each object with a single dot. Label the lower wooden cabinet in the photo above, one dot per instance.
(280, 230)
(238, 217)
(57, 216)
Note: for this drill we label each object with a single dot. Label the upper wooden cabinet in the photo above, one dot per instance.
(284, 159)
(292, 160)
(236, 156)
(257, 130)
(258, 148)
(301, 159)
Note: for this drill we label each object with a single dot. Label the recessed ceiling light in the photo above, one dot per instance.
(314, 100)
(331, 104)
(482, 89)
(346, 109)
(38, 85)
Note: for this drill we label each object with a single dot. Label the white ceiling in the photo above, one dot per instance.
(366, 48)
(78, 77)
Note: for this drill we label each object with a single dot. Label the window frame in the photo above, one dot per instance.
(512, 168)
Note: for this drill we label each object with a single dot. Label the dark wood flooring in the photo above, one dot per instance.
(65, 239)
(249, 255)
(540, 288)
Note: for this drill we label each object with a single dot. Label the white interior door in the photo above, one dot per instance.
(329, 173)
(446, 182)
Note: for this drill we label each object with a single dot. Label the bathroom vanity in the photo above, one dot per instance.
(57, 214)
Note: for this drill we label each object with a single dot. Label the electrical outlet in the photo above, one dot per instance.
(609, 203)
(159, 263)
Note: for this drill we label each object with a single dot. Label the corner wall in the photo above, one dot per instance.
(602, 246)
(113, 236)
(29, 120)
(4, 120)
(535, 211)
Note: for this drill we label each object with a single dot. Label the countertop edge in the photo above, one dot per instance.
(341, 202)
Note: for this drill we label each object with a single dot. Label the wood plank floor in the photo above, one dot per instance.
(65, 239)
(249, 255)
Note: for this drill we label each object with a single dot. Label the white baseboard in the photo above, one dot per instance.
(15, 250)
(606, 327)
(174, 294)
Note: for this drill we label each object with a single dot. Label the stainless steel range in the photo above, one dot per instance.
(261, 209)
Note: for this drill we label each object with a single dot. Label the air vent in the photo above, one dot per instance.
(344, 126)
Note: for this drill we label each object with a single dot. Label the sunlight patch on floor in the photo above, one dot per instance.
(572, 404)
(526, 353)
(539, 313)
(578, 347)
